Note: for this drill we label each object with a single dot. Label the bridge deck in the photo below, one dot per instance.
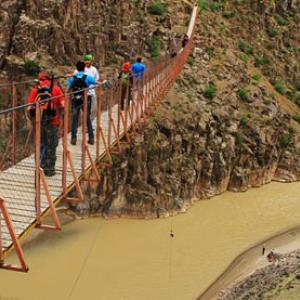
(17, 184)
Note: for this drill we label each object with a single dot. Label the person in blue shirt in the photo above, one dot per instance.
(76, 85)
(138, 69)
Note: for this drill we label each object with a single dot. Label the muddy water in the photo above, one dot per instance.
(137, 259)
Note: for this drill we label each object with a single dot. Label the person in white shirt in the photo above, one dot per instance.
(90, 70)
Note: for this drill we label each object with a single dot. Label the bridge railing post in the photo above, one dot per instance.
(37, 161)
(14, 123)
(84, 130)
(1, 243)
(9, 225)
(110, 106)
(98, 120)
(65, 141)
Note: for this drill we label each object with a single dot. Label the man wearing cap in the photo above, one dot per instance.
(126, 79)
(50, 119)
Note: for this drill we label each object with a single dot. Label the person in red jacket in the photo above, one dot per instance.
(50, 119)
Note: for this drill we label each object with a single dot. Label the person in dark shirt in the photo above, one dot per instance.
(79, 82)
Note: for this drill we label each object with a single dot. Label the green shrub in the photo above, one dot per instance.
(256, 77)
(141, 17)
(244, 94)
(214, 6)
(281, 21)
(154, 45)
(229, 14)
(245, 47)
(267, 71)
(244, 120)
(297, 100)
(203, 4)
(261, 61)
(189, 96)
(279, 87)
(239, 138)
(211, 91)
(270, 45)
(292, 130)
(31, 67)
(285, 139)
(115, 159)
(272, 32)
(290, 94)
(245, 58)
(157, 8)
(296, 118)
(210, 51)
(298, 86)
(191, 60)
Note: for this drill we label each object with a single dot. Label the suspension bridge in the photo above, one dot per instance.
(26, 194)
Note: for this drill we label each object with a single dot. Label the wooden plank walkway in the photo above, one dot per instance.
(17, 183)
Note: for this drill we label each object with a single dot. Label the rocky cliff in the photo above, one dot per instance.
(230, 124)
(232, 120)
(55, 34)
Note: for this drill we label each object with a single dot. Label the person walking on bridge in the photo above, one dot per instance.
(50, 119)
(76, 85)
(126, 80)
(92, 71)
(138, 70)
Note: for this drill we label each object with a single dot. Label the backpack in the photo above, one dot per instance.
(48, 110)
(124, 78)
(77, 87)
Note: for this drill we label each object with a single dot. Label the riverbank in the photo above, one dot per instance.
(251, 275)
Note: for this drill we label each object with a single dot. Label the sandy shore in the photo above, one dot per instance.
(251, 260)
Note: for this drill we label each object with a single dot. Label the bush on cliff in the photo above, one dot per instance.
(209, 4)
(244, 120)
(157, 8)
(244, 94)
(239, 138)
(245, 47)
(211, 91)
(285, 139)
(154, 45)
(31, 67)
(279, 87)
(296, 118)
(281, 21)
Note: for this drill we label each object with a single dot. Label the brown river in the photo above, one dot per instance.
(137, 259)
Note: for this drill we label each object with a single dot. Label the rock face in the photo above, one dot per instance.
(228, 126)
(58, 33)
(225, 127)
